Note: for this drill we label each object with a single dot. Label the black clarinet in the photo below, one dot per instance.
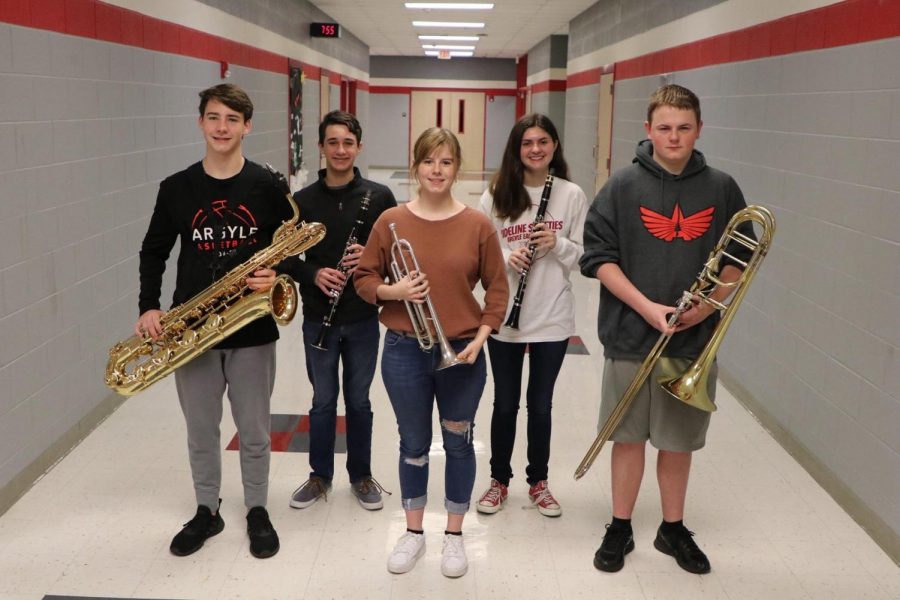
(513, 320)
(336, 294)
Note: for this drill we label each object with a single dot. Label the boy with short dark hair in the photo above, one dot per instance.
(224, 209)
(647, 235)
(333, 312)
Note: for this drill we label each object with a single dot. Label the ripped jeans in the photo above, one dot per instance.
(413, 385)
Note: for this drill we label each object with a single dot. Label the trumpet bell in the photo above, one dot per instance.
(448, 360)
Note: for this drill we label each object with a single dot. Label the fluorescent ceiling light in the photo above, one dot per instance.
(447, 24)
(446, 47)
(449, 5)
(450, 38)
(452, 53)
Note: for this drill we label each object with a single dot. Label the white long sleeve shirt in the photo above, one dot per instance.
(548, 307)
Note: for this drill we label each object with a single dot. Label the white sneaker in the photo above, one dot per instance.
(409, 548)
(453, 558)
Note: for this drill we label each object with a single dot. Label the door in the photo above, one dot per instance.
(460, 112)
(604, 131)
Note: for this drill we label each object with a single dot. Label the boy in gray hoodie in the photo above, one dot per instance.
(647, 234)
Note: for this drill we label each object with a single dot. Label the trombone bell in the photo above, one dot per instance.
(690, 387)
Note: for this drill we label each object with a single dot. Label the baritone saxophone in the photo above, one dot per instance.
(227, 305)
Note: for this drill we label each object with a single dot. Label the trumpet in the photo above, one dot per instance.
(690, 387)
(336, 294)
(420, 315)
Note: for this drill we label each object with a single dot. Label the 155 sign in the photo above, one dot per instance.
(325, 30)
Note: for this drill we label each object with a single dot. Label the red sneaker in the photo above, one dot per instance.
(492, 500)
(542, 498)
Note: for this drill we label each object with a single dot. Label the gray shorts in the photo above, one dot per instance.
(654, 415)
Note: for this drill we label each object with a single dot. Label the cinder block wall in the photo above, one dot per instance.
(546, 73)
(89, 128)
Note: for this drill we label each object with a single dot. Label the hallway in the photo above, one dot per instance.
(99, 523)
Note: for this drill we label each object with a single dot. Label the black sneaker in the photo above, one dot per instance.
(681, 545)
(263, 539)
(203, 526)
(617, 542)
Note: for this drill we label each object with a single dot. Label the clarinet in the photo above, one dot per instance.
(336, 294)
(513, 320)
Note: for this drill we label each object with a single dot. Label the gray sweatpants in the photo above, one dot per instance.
(249, 376)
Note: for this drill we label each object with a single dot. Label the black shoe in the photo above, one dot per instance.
(681, 545)
(617, 542)
(204, 525)
(263, 539)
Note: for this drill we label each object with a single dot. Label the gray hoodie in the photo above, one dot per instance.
(659, 228)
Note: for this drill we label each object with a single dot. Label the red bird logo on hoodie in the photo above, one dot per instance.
(677, 226)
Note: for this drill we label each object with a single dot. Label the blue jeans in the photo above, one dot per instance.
(413, 385)
(356, 344)
(545, 361)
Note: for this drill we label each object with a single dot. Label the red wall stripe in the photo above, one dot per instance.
(98, 20)
(311, 71)
(81, 18)
(47, 15)
(588, 77)
(551, 85)
(840, 24)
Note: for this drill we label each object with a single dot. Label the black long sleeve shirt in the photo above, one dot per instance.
(220, 223)
(338, 209)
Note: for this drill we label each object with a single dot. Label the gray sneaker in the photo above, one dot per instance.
(311, 490)
(368, 492)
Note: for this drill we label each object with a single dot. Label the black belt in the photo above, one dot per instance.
(412, 336)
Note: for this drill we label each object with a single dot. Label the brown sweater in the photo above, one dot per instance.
(454, 254)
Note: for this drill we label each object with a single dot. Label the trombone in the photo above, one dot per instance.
(690, 387)
(418, 316)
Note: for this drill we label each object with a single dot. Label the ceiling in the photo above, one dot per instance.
(511, 29)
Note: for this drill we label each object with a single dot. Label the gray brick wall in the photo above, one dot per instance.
(550, 53)
(552, 104)
(539, 57)
(816, 137)
(611, 21)
(87, 130)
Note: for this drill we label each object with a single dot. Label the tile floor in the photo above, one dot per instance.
(99, 523)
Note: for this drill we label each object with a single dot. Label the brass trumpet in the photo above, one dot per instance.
(690, 387)
(418, 316)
